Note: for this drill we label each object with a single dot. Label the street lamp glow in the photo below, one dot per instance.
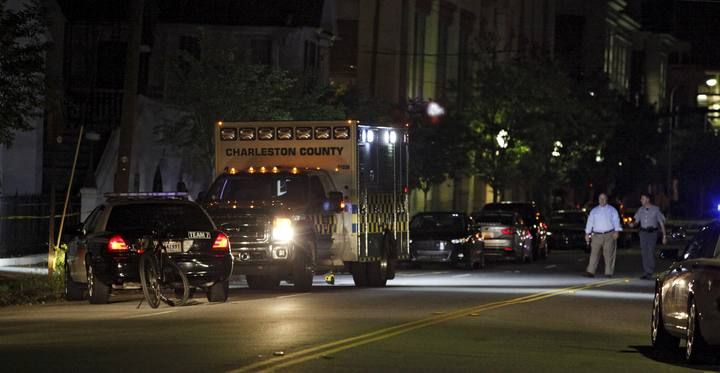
(711, 82)
(556, 149)
(502, 139)
(598, 156)
(434, 109)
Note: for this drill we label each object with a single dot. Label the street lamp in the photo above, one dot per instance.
(502, 139)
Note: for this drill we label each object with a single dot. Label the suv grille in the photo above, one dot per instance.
(247, 229)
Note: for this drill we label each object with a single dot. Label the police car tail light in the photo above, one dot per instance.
(116, 244)
(221, 242)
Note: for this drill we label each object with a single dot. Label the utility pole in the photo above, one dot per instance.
(129, 103)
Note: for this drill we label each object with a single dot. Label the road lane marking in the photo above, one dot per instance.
(551, 266)
(330, 348)
(291, 296)
(463, 275)
(149, 314)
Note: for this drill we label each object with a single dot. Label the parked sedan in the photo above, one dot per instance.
(505, 235)
(687, 298)
(445, 237)
(103, 252)
(567, 229)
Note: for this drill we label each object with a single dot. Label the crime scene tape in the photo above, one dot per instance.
(29, 217)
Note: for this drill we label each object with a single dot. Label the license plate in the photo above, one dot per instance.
(173, 246)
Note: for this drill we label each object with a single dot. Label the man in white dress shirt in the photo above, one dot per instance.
(602, 231)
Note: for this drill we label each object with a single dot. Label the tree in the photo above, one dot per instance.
(437, 150)
(531, 122)
(210, 84)
(22, 64)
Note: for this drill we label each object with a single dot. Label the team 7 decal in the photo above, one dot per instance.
(201, 235)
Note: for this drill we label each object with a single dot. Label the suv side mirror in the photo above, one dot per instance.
(74, 230)
(201, 196)
(335, 200)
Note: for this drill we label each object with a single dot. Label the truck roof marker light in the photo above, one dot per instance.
(220, 123)
(294, 171)
(337, 169)
(263, 169)
(275, 170)
(251, 170)
(317, 168)
(233, 171)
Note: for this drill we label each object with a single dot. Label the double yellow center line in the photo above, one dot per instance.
(316, 352)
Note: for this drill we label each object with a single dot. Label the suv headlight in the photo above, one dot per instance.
(282, 230)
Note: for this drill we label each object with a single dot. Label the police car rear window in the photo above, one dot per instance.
(158, 215)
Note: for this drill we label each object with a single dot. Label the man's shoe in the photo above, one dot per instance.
(588, 274)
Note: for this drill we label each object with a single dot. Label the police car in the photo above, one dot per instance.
(103, 252)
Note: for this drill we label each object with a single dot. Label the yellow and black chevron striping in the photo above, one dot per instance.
(324, 224)
(381, 209)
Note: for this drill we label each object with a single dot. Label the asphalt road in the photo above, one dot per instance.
(508, 317)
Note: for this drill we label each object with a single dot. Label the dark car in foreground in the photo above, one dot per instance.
(504, 235)
(687, 298)
(532, 218)
(445, 237)
(103, 252)
(566, 229)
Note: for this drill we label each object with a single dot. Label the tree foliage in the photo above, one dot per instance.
(212, 85)
(22, 82)
(552, 123)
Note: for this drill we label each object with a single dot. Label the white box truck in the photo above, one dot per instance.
(300, 198)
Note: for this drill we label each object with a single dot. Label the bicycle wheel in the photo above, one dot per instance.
(175, 289)
(149, 276)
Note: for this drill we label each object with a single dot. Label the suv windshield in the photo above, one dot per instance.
(434, 223)
(136, 216)
(289, 188)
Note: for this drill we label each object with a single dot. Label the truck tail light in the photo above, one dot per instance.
(116, 244)
(221, 242)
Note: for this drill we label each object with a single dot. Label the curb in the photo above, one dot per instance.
(23, 261)
(24, 270)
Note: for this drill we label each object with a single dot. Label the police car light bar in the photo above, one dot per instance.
(168, 195)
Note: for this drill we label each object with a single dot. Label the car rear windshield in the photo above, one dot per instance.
(569, 218)
(434, 223)
(525, 210)
(504, 219)
(181, 216)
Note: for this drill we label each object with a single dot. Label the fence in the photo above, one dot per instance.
(25, 220)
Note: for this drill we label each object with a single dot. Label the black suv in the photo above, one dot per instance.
(533, 219)
(103, 251)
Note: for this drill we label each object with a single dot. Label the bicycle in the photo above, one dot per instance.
(161, 278)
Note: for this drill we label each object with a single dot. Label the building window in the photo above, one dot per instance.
(261, 52)
(418, 69)
(110, 64)
(311, 57)
(191, 45)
